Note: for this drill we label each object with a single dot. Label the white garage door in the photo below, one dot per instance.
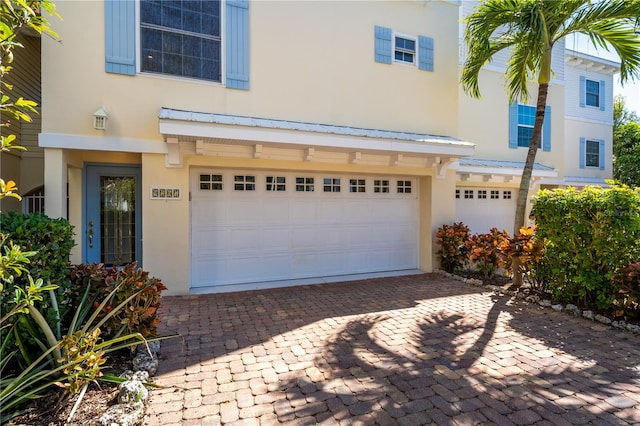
(249, 226)
(484, 208)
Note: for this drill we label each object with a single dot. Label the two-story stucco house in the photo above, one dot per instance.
(229, 145)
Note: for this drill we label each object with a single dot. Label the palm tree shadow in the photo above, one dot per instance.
(438, 368)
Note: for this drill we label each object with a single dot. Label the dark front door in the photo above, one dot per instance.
(112, 226)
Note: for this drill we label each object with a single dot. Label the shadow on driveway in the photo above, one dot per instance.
(404, 350)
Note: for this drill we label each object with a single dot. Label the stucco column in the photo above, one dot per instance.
(55, 178)
(437, 206)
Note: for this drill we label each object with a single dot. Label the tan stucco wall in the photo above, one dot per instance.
(310, 61)
(329, 79)
(485, 121)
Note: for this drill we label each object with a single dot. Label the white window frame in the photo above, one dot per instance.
(528, 126)
(415, 51)
(381, 186)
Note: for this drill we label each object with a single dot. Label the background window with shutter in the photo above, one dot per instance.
(592, 93)
(592, 151)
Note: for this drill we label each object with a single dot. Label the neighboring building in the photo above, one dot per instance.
(234, 145)
(25, 168)
(576, 145)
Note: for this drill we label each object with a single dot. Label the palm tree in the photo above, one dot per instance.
(531, 28)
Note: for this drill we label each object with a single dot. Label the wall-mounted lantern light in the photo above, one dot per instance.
(100, 118)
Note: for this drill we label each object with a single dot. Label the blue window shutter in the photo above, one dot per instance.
(602, 100)
(546, 129)
(425, 53)
(601, 154)
(583, 152)
(120, 40)
(583, 91)
(513, 125)
(237, 44)
(383, 44)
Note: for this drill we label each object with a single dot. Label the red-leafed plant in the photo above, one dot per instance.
(484, 251)
(453, 250)
(627, 299)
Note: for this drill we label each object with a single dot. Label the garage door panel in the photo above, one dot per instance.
(275, 239)
(255, 236)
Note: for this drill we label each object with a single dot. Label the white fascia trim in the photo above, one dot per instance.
(505, 171)
(589, 120)
(93, 143)
(575, 183)
(318, 140)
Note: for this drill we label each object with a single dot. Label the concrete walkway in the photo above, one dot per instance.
(407, 350)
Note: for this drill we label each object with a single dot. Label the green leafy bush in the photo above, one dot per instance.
(591, 235)
(51, 238)
(453, 250)
(49, 242)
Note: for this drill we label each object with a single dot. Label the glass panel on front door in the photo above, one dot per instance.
(117, 220)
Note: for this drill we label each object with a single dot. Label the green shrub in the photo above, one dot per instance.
(51, 241)
(51, 238)
(591, 235)
(453, 250)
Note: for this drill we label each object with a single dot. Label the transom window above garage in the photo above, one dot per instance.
(276, 183)
(210, 182)
(357, 185)
(404, 187)
(244, 183)
(381, 186)
(304, 184)
(331, 184)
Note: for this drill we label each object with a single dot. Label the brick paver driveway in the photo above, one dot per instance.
(406, 350)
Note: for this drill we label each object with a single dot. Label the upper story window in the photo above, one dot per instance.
(404, 49)
(393, 47)
(526, 120)
(592, 93)
(522, 118)
(181, 38)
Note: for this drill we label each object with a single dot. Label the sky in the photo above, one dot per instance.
(631, 93)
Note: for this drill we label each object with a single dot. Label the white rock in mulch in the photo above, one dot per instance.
(144, 362)
(123, 415)
(141, 376)
(602, 319)
(545, 302)
(619, 324)
(557, 307)
(572, 309)
(633, 328)
(588, 315)
(132, 392)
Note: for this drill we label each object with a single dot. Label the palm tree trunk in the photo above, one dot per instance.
(527, 171)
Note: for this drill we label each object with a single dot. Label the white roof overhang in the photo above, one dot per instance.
(204, 129)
